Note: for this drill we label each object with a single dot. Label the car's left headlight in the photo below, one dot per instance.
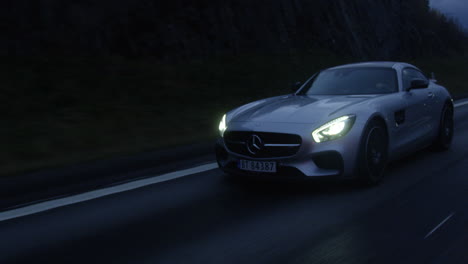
(222, 126)
(334, 129)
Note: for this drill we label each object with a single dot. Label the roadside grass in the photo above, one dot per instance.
(57, 111)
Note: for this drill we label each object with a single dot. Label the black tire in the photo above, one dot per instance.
(445, 134)
(373, 153)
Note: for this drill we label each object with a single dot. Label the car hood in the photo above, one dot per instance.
(298, 109)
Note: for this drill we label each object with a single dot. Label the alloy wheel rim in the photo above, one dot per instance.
(448, 127)
(375, 153)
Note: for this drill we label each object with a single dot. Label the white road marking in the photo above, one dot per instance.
(48, 205)
(461, 104)
(439, 225)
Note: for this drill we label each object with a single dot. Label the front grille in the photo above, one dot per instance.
(268, 145)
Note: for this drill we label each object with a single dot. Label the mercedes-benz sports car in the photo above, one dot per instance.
(347, 121)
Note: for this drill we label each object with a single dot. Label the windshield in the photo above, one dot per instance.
(346, 81)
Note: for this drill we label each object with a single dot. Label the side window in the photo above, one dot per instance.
(409, 75)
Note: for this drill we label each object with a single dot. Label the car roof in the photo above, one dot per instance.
(372, 64)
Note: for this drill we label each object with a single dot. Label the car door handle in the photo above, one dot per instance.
(431, 95)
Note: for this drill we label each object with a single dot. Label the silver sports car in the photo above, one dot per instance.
(348, 121)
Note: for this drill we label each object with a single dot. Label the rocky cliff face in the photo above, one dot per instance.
(179, 29)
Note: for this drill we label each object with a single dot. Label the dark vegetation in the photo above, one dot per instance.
(185, 29)
(91, 79)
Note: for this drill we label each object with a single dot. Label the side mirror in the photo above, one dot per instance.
(433, 78)
(418, 84)
(296, 86)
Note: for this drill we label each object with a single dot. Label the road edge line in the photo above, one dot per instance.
(91, 195)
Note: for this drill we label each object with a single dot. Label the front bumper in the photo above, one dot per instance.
(286, 168)
(335, 158)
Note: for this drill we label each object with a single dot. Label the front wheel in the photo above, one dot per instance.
(373, 153)
(445, 134)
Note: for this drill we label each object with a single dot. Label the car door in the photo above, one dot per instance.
(417, 126)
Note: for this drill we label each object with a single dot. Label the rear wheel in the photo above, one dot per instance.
(373, 153)
(445, 134)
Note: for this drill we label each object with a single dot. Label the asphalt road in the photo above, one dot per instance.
(419, 214)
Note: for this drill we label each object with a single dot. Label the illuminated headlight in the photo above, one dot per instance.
(222, 126)
(334, 129)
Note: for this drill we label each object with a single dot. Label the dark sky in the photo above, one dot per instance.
(454, 8)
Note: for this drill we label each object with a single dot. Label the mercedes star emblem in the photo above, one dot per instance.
(254, 144)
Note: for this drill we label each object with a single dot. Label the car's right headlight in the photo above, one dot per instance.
(334, 129)
(222, 126)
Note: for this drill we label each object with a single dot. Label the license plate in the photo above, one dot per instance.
(257, 166)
